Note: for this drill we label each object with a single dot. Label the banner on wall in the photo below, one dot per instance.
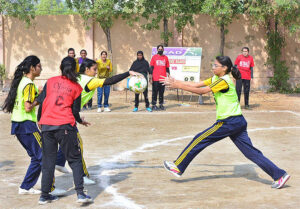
(185, 62)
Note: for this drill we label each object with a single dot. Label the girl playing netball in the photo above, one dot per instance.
(230, 122)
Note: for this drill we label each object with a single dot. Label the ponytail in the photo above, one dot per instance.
(236, 73)
(22, 69)
(226, 61)
(68, 68)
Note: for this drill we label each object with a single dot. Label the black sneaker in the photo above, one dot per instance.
(247, 107)
(161, 107)
(47, 199)
(154, 108)
(83, 198)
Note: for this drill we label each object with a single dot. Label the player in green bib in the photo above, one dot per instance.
(89, 83)
(21, 102)
(230, 122)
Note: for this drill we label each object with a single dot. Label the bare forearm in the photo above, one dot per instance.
(194, 84)
(193, 89)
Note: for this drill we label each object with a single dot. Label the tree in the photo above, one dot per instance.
(276, 14)
(223, 12)
(21, 9)
(48, 7)
(101, 11)
(156, 12)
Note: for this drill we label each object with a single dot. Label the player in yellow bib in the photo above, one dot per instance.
(230, 122)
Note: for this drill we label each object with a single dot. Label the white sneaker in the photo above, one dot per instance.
(58, 192)
(99, 109)
(61, 169)
(30, 191)
(106, 109)
(88, 181)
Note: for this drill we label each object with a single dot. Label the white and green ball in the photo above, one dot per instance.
(137, 84)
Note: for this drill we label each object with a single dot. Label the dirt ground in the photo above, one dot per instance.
(124, 152)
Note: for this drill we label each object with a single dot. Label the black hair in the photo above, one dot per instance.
(83, 50)
(103, 52)
(159, 46)
(140, 52)
(87, 63)
(71, 49)
(245, 48)
(226, 61)
(22, 69)
(68, 68)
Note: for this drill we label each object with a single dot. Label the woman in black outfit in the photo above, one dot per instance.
(141, 65)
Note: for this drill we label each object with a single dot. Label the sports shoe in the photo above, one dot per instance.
(281, 181)
(247, 107)
(88, 181)
(161, 107)
(99, 109)
(61, 169)
(172, 168)
(29, 191)
(83, 198)
(149, 109)
(58, 192)
(106, 109)
(47, 199)
(154, 108)
(135, 109)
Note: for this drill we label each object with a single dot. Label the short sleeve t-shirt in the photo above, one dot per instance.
(160, 64)
(218, 85)
(244, 65)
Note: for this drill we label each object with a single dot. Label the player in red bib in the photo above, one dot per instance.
(244, 62)
(58, 112)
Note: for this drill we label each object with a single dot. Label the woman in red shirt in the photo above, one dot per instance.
(244, 62)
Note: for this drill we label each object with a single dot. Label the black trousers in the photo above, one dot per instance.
(157, 88)
(246, 85)
(89, 103)
(71, 149)
(145, 96)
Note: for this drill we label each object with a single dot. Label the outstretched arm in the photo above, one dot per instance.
(187, 86)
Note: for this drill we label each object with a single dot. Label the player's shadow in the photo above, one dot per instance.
(7, 163)
(239, 171)
(119, 108)
(105, 175)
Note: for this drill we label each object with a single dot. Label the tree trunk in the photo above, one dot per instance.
(109, 47)
(166, 32)
(222, 44)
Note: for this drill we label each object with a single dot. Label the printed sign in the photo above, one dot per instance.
(185, 62)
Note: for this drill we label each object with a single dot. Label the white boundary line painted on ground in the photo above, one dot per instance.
(168, 113)
(109, 167)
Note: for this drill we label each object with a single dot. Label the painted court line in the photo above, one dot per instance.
(168, 113)
(110, 167)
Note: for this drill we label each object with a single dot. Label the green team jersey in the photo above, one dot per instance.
(19, 114)
(83, 80)
(227, 103)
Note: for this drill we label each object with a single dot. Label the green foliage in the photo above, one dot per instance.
(21, 9)
(2, 72)
(223, 11)
(279, 82)
(51, 7)
(185, 12)
(102, 11)
(273, 14)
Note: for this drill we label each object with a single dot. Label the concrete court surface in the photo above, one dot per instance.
(124, 152)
